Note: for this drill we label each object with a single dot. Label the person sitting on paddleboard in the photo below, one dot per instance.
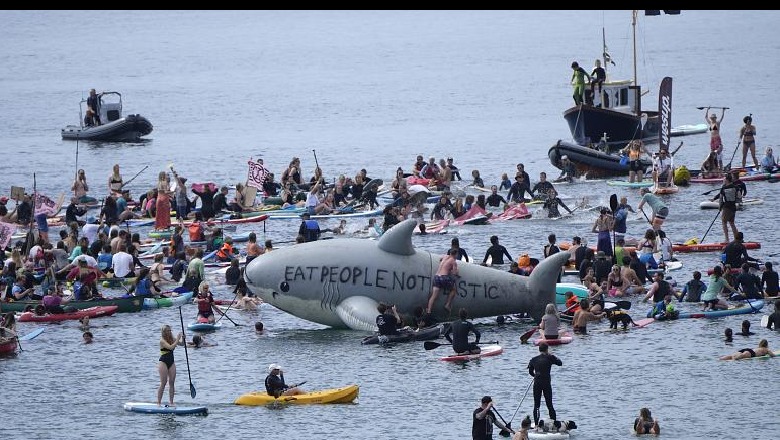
(275, 386)
(716, 285)
(205, 301)
(550, 321)
(768, 162)
(769, 281)
(458, 335)
(750, 285)
(736, 253)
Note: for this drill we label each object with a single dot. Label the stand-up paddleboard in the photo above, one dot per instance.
(488, 350)
(34, 334)
(627, 184)
(533, 435)
(688, 129)
(563, 338)
(709, 204)
(203, 326)
(153, 408)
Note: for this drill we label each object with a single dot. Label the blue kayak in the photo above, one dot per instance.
(745, 307)
(625, 183)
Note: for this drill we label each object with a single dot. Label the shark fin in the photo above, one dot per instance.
(358, 313)
(398, 239)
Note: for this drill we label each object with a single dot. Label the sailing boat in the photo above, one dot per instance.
(615, 116)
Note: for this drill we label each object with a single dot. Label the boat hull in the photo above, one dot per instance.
(345, 394)
(592, 163)
(588, 124)
(128, 128)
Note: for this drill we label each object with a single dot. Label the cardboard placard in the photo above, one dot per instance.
(17, 193)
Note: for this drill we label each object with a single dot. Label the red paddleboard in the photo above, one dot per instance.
(563, 338)
(92, 312)
(488, 350)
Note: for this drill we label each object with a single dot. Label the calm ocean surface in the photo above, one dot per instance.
(370, 89)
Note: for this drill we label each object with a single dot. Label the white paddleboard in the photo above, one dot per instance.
(153, 408)
(489, 350)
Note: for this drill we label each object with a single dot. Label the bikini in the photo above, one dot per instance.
(166, 356)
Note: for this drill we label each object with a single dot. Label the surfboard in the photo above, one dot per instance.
(563, 338)
(489, 350)
(153, 408)
(626, 183)
(533, 435)
(685, 130)
(709, 204)
(34, 334)
(203, 326)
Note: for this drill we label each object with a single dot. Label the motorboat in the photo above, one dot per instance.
(114, 127)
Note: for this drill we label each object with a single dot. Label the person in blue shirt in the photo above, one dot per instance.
(694, 288)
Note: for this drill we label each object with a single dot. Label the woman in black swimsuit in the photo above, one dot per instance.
(166, 367)
(747, 133)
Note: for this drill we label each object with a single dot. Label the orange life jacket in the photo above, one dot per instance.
(226, 251)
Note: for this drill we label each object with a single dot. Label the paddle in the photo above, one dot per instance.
(133, 178)
(520, 404)
(504, 432)
(613, 205)
(527, 335)
(224, 314)
(430, 345)
(712, 223)
(676, 149)
(646, 217)
(186, 355)
(720, 108)
(32, 335)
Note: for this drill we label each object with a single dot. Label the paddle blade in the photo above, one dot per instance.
(525, 336)
(613, 202)
(192, 390)
(625, 305)
(430, 345)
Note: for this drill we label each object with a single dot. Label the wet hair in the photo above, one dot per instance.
(197, 340)
(543, 347)
(526, 423)
(763, 343)
(551, 238)
(258, 326)
(463, 314)
(729, 334)
(696, 275)
(747, 119)
(494, 239)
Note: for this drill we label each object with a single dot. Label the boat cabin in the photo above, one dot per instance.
(110, 107)
(618, 96)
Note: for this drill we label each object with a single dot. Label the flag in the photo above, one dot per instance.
(256, 175)
(44, 205)
(6, 231)
(665, 113)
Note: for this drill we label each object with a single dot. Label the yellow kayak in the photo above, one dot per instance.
(333, 395)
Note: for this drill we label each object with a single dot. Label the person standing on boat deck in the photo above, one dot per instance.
(578, 80)
(496, 252)
(716, 144)
(660, 210)
(93, 107)
(597, 77)
(445, 279)
(162, 217)
(166, 365)
(747, 133)
(539, 368)
(458, 334)
(483, 419)
(115, 181)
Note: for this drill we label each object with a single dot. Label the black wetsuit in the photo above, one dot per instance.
(551, 205)
(497, 252)
(458, 334)
(769, 282)
(541, 189)
(517, 192)
(482, 429)
(495, 200)
(751, 286)
(539, 367)
(73, 211)
(736, 254)
(274, 385)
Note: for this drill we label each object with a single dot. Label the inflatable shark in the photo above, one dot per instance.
(339, 283)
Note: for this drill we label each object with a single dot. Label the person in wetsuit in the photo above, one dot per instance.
(458, 335)
(388, 322)
(496, 252)
(539, 368)
(735, 253)
(552, 203)
(166, 366)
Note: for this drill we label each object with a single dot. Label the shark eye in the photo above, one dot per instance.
(284, 287)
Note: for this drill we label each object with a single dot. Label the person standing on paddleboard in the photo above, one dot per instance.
(166, 366)
(539, 368)
(660, 210)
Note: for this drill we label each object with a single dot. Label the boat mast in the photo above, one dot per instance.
(633, 28)
(604, 51)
